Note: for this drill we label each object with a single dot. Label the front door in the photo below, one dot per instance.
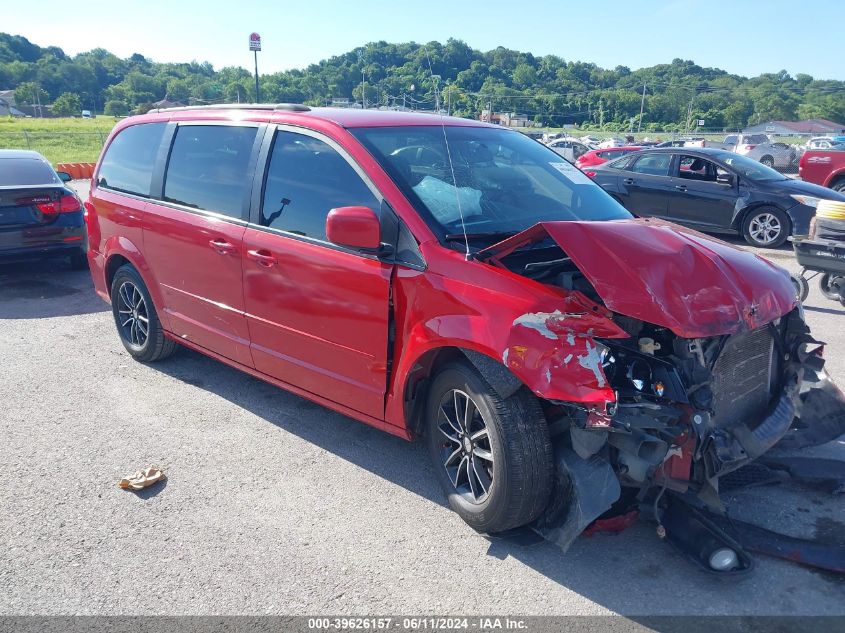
(193, 238)
(317, 313)
(698, 199)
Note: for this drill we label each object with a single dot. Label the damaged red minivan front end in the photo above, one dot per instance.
(661, 359)
(675, 357)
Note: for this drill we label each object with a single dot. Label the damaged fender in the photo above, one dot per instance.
(555, 352)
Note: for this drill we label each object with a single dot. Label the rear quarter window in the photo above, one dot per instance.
(130, 158)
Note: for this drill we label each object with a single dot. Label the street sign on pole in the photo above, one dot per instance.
(255, 46)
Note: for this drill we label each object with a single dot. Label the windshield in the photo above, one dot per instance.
(749, 168)
(506, 182)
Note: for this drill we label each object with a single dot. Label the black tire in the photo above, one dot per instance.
(79, 261)
(759, 224)
(838, 185)
(512, 431)
(802, 287)
(768, 161)
(128, 292)
(832, 286)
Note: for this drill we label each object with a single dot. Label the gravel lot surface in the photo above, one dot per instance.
(274, 505)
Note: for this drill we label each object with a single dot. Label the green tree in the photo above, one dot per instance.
(116, 108)
(29, 93)
(67, 104)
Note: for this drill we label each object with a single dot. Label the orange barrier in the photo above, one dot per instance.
(78, 171)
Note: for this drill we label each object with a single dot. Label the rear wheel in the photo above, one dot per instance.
(136, 318)
(832, 286)
(838, 185)
(492, 456)
(765, 227)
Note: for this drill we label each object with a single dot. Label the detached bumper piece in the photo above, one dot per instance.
(699, 539)
(720, 545)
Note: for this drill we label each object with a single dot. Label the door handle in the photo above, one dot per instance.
(221, 246)
(681, 187)
(628, 181)
(263, 257)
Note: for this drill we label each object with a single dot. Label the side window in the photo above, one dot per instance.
(208, 167)
(306, 179)
(652, 164)
(695, 168)
(130, 159)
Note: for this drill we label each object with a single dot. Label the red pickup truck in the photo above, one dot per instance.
(824, 167)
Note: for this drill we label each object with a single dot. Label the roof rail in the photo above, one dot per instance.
(289, 107)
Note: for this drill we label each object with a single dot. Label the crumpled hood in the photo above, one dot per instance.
(668, 275)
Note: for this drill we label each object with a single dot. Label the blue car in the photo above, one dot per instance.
(39, 215)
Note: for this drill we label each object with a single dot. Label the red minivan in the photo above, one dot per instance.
(443, 278)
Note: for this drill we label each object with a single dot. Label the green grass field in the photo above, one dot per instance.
(65, 140)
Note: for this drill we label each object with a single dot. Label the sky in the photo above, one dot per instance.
(746, 37)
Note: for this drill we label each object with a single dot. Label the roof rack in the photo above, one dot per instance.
(287, 107)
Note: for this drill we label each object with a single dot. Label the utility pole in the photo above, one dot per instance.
(642, 106)
(449, 101)
(689, 112)
(601, 113)
(363, 94)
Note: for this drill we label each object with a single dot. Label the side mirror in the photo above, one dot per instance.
(354, 227)
(725, 179)
(64, 176)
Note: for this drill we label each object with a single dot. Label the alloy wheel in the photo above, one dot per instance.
(465, 449)
(133, 317)
(765, 228)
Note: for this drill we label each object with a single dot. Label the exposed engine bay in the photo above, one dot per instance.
(686, 411)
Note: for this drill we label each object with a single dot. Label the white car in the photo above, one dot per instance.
(570, 148)
(613, 141)
(822, 142)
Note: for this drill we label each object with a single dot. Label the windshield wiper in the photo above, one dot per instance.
(492, 235)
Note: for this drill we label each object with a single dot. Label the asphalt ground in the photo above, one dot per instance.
(275, 505)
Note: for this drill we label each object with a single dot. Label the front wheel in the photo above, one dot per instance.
(136, 318)
(492, 456)
(768, 161)
(765, 227)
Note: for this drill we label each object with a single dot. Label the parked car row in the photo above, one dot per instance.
(777, 155)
